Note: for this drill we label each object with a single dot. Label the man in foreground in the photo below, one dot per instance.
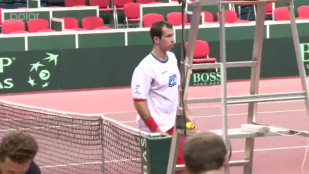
(17, 151)
(206, 153)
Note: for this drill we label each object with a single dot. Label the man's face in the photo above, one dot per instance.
(10, 167)
(166, 42)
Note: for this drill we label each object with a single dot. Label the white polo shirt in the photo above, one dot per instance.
(157, 82)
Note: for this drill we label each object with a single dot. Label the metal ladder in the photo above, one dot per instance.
(253, 98)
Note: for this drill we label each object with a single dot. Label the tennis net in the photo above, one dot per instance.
(74, 143)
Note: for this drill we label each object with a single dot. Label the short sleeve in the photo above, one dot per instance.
(140, 84)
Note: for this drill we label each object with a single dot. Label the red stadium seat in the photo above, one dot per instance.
(119, 4)
(70, 23)
(104, 5)
(269, 11)
(93, 22)
(303, 12)
(119, 7)
(11, 26)
(146, 1)
(201, 52)
(231, 17)
(175, 18)
(72, 3)
(36, 25)
(208, 17)
(150, 18)
(281, 14)
(132, 13)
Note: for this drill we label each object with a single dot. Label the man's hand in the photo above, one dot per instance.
(158, 130)
(189, 118)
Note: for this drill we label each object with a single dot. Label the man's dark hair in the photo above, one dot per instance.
(204, 151)
(156, 28)
(18, 146)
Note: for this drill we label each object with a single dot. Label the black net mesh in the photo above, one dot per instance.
(75, 143)
(121, 151)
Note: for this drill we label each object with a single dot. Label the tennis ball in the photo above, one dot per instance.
(190, 125)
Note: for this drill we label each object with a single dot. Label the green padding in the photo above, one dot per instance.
(56, 25)
(212, 34)
(241, 33)
(161, 10)
(101, 67)
(29, 71)
(139, 38)
(25, 16)
(209, 34)
(284, 30)
(12, 44)
(78, 14)
(51, 42)
(155, 154)
(113, 66)
(101, 40)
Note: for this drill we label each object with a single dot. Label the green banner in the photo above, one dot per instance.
(155, 153)
(29, 71)
(26, 15)
(205, 78)
(38, 70)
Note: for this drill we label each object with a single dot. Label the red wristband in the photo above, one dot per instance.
(151, 123)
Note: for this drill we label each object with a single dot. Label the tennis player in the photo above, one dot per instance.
(17, 151)
(206, 153)
(155, 84)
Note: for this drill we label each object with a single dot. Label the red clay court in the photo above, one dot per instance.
(275, 155)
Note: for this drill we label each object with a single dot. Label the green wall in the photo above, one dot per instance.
(113, 66)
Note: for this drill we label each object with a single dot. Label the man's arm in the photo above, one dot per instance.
(143, 110)
(187, 113)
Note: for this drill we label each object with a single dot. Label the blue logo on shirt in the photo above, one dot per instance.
(172, 80)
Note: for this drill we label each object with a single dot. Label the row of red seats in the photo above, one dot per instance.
(176, 18)
(282, 13)
(132, 15)
(105, 4)
(42, 25)
(17, 26)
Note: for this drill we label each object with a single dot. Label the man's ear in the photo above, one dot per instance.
(156, 39)
(226, 160)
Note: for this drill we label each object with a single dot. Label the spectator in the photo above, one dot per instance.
(17, 151)
(205, 153)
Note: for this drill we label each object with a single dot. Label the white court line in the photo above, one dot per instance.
(238, 114)
(213, 106)
(90, 163)
(273, 149)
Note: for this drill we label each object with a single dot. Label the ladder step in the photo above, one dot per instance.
(238, 133)
(238, 163)
(253, 98)
(228, 65)
(181, 167)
